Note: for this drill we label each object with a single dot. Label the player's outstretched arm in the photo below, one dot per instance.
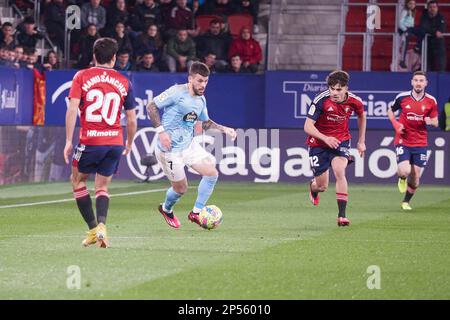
(131, 129)
(361, 145)
(71, 120)
(209, 124)
(153, 114)
(399, 128)
(311, 130)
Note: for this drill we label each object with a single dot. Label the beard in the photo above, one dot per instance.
(420, 90)
(197, 92)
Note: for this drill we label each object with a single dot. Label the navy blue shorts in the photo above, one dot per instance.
(103, 160)
(320, 158)
(415, 155)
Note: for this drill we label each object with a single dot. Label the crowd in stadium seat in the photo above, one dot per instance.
(153, 35)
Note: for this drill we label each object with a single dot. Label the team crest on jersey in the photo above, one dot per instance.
(190, 117)
(423, 108)
(346, 109)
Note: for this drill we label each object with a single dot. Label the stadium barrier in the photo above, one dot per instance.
(35, 154)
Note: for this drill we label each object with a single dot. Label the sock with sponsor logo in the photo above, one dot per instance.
(101, 205)
(409, 193)
(84, 204)
(205, 189)
(172, 198)
(342, 203)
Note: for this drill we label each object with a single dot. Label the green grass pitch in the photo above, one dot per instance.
(272, 244)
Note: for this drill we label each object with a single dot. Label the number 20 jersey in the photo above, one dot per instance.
(102, 93)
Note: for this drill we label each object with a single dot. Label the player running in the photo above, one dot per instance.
(99, 93)
(417, 110)
(183, 105)
(329, 138)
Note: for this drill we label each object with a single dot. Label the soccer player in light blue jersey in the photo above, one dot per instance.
(183, 105)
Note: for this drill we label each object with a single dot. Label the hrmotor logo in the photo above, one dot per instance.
(376, 102)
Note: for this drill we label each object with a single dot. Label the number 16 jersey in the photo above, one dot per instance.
(102, 93)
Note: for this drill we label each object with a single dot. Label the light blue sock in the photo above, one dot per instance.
(172, 197)
(205, 189)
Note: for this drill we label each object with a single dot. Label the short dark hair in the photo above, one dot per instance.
(419, 73)
(105, 49)
(199, 68)
(215, 21)
(431, 2)
(7, 24)
(338, 77)
(28, 20)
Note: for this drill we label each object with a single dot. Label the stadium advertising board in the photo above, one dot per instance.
(15, 99)
(288, 95)
(35, 154)
(281, 155)
(237, 101)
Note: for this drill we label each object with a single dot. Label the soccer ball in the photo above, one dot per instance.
(210, 217)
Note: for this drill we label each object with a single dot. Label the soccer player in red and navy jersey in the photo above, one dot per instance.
(99, 93)
(418, 110)
(329, 138)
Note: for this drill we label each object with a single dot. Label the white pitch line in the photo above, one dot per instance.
(71, 199)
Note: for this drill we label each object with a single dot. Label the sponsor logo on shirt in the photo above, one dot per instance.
(335, 118)
(414, 116)
(108, 133)
(190, 117)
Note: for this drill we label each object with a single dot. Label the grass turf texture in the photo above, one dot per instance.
(273, 244)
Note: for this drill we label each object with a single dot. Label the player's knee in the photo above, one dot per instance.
(403, 173)
(322, 187)
(181, 189)
(339, 174)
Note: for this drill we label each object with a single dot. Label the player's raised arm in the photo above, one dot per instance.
(71, 120)
(399, 128)
(209, 124)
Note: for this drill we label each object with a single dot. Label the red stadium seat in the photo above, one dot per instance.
(352, 52)
(388, 17)
(382, 53)
(203, 21)
(356, 19)
(237, 21)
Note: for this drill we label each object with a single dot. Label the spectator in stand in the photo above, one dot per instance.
(117, 12)
(7, 57)
(149, 41)
(54, 16)
(210, 60)
(8, 36)
(165, 6)
(86, 46)
(145, 14)
(248, 49)
(122, 38)
(123, 62)
(222, 8)
(251, 8)
(19, 56)
(29, 36)
(214, 41)
(236, 66)
(181, 17)
(433, 23)
(93, 13)
(51, 61)
(180, 52)
(3, 55)
(32, 61)
(407, 30)
(147, 63)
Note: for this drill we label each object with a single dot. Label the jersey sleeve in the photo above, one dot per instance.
(204, 114)
(315, 109)
(166, 98)
(358, 107)
(75, 89)
(397, 104)
(128, 104)
(434, 111)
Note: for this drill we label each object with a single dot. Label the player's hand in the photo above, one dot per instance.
(332, 142)
(67, 151)
(399, 128)
(165, 140)
(428, 121)
(230, 132)
(361, 147)
(126, 150)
